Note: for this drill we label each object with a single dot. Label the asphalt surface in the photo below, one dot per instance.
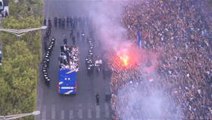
(83, 105)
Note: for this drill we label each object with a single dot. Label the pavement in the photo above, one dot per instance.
(83, 105)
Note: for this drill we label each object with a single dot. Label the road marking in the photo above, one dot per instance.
(43, 113)
(107, 110)
(89, 113)
(80, 113)
(80, 105)
(97, 111)
(62, 114)
(53, 112)
(71, 114)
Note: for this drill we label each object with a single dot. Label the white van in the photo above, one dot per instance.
(4, 8)
(1, 5)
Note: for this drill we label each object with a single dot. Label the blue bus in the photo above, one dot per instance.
(69, 66)
(67, 81)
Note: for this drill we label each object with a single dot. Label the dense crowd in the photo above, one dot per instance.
(69, 57)
(179, 31)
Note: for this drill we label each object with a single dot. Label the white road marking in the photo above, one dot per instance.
(62, 114)
(80, 113)
(89, 113)
(43, 113)
(53, 112)
(97, 111)
(107, 110)
(71, 114)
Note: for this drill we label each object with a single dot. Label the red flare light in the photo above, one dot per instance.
(125, 58)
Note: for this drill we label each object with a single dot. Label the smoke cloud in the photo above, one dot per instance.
(106, 16)
(142, 101)
(135, 100)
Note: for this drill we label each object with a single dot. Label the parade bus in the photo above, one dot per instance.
(67, 84)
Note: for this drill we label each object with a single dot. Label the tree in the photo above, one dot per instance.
(21, 56)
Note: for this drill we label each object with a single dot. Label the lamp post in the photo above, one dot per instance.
(16, 116)
(20, 32)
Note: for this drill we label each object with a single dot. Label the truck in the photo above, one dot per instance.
(68, 69)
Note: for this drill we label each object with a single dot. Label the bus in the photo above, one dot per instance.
(68, 69)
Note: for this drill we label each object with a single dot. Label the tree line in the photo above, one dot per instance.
(21, 56)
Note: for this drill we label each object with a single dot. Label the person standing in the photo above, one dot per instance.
(45, 45)
(44, 22)
(97, 99)
(73, 40)
(65, 41)
(55, 22)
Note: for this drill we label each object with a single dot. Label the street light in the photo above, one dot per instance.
(20, 32)
(16, 116)
(36, 112)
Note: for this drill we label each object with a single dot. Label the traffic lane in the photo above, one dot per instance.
(53, 70)
(87, 83)
(70, 103)
(68, 8)
(55, 10)
(84, 94)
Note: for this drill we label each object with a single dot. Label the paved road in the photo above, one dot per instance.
(82, 106)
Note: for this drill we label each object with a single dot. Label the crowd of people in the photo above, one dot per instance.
(69, 57)
(179, 32)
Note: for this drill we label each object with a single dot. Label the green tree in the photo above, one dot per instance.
(21, 56)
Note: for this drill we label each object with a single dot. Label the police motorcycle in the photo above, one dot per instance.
(45, 63)
(98, 64)
(60, 22)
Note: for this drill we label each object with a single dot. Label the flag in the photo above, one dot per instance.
(139, 38)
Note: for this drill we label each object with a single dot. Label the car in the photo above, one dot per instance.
(1, 5)
(4, 8)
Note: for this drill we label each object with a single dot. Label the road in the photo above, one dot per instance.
(82, 106)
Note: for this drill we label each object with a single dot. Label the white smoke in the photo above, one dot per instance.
(135, 101)
(106, 16)
(142, 101)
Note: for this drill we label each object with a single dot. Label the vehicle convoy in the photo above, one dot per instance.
(69, 66)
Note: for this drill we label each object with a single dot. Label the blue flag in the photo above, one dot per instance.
(139, 38)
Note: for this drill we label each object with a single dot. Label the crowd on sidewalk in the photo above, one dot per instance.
(180, 31)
